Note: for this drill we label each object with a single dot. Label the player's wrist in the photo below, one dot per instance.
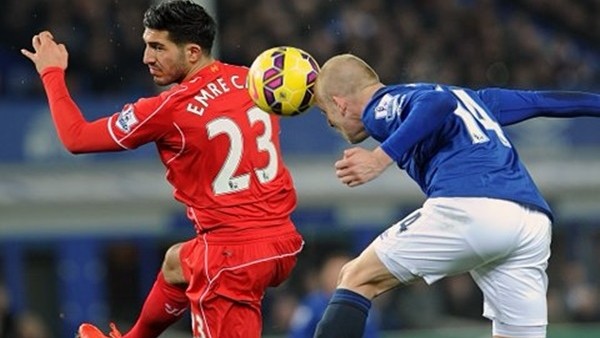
(382, 157)
(51, 69)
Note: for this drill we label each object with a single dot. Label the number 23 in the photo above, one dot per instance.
(225, 182)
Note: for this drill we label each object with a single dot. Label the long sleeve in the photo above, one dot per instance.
(427, 113)
(514, 106)
(75, 133)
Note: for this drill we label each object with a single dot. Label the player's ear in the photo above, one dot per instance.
(339, 102)
(193, 52)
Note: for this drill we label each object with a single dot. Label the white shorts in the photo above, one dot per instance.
(503, 245)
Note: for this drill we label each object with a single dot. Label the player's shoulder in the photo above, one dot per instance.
(233, 68)
(417, 86)
(215, 70)
(173, 92)
(404, 90)
(161, 102)
(424, 91)
(386, 103)
(392, 100)
(223, 75)
(166, 99)
(398, 93)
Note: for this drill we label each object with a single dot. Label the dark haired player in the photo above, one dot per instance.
(222, 156)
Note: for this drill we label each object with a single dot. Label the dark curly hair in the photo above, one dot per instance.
(185, 20)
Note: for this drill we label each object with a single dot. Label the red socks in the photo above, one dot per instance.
(164, 305)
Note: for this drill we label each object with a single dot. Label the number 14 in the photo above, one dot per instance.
(471, 113)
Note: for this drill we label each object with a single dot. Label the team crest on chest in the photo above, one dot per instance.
(127, 119)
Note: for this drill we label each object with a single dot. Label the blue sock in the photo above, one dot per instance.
(345, 316)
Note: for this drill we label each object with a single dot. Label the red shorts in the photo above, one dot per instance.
(227, 282)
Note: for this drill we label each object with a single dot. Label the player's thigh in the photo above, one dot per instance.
(515, 287)
(367, 275)
(172, 268)
(229, 281)
(448, 236)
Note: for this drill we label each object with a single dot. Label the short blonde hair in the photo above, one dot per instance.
(343, 75)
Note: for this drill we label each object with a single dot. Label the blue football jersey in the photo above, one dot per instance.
(450, 142)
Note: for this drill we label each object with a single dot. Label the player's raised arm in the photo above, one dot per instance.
(77, 135)
(514, 106)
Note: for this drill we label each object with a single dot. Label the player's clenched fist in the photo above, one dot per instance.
(47, 53)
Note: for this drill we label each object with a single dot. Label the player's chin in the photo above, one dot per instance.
(357, 137)
(160, 81)
(354, 139)
(345, 135)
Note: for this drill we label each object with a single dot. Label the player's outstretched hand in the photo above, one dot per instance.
(47, 53)
(359, 166)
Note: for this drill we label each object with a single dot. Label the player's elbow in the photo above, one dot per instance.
(73, 147)
(73, 144)
(85, 144)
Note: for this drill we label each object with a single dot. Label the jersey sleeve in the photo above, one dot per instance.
(141, 122)
(514, 106)
(74, 131)
(424, 113)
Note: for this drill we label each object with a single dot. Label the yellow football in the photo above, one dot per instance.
(281, 80)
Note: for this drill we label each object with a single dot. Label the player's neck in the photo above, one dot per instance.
(206, 61)
(367, 93)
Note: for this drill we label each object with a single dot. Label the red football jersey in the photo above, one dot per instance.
(222, 153)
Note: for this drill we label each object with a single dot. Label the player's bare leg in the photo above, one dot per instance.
(366, 275)
(171, 267)
(360, 280)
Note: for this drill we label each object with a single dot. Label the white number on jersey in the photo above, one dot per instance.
(225, 182)
(197, 326)
(264, 142)
(471, 113)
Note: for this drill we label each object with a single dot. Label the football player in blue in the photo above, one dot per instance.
(483, 214)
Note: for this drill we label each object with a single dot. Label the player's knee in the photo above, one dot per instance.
(346, 275)
(171, 267)
(367, 276)
(352, 277)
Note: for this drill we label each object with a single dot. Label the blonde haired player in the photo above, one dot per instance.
(483, 214)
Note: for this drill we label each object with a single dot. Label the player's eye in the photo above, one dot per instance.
(156, 46)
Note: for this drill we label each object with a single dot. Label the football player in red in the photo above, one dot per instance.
(222, 157)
